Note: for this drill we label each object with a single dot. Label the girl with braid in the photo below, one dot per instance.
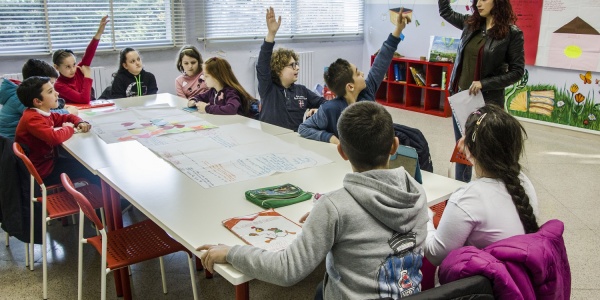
(501, 202)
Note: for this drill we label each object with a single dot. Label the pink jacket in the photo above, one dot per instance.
(529, 266)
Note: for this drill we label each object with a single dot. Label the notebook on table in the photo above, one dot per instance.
(266, 230)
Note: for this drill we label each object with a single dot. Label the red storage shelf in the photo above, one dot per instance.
(403, 91)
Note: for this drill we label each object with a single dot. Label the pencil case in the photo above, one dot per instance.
(277, 196)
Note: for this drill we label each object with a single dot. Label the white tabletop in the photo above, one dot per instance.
(193, 214)
(94, 153)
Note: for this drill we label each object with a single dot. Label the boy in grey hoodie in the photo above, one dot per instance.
(370, 232)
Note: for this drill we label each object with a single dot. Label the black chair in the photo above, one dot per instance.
(474, 287)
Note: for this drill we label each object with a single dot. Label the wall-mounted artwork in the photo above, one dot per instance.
(572, 104)
(569, 35)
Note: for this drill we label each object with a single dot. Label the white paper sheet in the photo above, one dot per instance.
(231, 153)
(463, 105)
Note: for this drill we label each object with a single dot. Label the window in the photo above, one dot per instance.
(42, 26)
(238, 20)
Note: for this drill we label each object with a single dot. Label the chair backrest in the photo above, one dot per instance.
(459, 157)
(32, 170)
(81, 200)
(413, 137)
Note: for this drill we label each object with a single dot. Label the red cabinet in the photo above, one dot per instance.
(400, 89)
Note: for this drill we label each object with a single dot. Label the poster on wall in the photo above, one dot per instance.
(569, 35)
(573, 103)
(529, 17)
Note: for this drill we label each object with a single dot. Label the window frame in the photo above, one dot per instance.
(174, 28)
(202, 34)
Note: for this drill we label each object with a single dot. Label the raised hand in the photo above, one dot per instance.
(401, 22)
(86, 70)
(101, 27)
(272, 25)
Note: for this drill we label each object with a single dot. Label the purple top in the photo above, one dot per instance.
(225, 102)
(528, 266)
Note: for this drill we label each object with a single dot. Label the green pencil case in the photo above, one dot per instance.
(277, 196)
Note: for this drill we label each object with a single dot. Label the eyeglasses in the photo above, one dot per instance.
(294, 65)
(477, 127)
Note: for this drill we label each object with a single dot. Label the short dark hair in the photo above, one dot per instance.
(366, 134)
(36, 67)
(338, 75)
(30, 89)
(59, 55)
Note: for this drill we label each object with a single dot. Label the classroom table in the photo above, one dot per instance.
(95, 154)
(192, 214)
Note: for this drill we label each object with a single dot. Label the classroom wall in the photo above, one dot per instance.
(162, 62)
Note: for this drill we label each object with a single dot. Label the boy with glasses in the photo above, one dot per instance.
(283, 103)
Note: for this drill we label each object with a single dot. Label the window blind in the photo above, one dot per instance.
(42, 26)
(238, 20)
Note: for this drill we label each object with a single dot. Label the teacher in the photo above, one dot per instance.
(490, 56)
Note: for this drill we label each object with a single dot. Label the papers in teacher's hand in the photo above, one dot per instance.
(463, 105)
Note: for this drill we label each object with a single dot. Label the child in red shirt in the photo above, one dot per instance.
(75, 81)
(42, 131)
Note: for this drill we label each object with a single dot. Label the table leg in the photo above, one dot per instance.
(114, 220)
(242, 291)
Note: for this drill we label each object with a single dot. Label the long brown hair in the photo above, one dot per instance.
(503, 15)
(496, 139)
(221, 70)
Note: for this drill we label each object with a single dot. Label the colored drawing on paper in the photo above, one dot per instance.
(156, 127)
(273, 233)
(145, 122)
(569, 36)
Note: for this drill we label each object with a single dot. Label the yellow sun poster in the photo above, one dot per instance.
(569, 35)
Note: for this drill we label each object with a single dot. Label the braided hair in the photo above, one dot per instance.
(495, 139)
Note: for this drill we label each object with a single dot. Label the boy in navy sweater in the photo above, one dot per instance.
(283, 103)
(350, 86)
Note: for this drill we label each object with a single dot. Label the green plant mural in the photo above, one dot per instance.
(549, 103)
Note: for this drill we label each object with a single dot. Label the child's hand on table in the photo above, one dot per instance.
(84, 127)
(201, 106)
(213, 254)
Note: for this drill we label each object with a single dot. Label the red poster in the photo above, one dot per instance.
(529, 14)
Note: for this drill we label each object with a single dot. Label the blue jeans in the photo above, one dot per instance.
(463, 172)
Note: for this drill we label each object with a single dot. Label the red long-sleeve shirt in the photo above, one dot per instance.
(37, 131)
(78, 89)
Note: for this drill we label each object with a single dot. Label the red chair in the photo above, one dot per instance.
(457, 158)
(126, 246)
(56, 203)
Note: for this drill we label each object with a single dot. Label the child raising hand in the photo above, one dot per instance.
(74, 83)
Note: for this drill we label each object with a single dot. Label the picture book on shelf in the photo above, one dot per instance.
(94, 104)
(443, 49)
(266, 230)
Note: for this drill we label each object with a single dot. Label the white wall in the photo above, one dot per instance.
(377, 28)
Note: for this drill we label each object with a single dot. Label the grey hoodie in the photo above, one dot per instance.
(361, 230)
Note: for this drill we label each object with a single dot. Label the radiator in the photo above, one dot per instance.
(306, 77)
(102, 78)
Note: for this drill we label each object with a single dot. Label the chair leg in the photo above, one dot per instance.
(162, 274)
(7, 239)
(80, 258)
(27, 255)
(193, 275)
(30, 253)
(44, 258)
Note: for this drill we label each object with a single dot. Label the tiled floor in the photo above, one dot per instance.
(563, 165)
